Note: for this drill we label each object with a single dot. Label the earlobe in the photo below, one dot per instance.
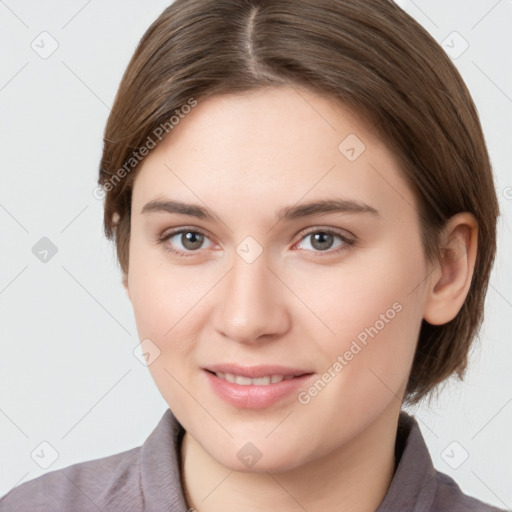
(451, 279)
(125, 285)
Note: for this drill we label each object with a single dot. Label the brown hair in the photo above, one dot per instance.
(373, 58)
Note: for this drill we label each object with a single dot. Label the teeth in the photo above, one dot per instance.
(258, 381)
(244, 381)
(262, 381)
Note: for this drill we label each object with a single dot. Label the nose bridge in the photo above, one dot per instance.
(250, 306)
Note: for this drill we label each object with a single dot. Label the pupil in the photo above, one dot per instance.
(318, 239)
(189, 242)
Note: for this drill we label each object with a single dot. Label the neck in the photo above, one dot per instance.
(354, 477)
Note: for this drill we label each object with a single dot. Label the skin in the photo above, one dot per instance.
(245, 157)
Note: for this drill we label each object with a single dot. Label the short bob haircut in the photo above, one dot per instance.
(369, 55)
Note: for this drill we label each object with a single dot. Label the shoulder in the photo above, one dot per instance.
(417, 484)
(449, 497)
(82, 487)
(146, 478)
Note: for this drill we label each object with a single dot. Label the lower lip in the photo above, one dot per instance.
(253, 396)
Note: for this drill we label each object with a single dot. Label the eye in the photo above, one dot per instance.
(190, 239)
(323, 239)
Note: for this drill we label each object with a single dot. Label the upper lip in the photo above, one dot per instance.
(256, 371)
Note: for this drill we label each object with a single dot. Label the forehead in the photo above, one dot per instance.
(272, 146)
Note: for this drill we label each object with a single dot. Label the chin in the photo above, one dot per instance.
(251, 459)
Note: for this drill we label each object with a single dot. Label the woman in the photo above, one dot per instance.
(304, 214)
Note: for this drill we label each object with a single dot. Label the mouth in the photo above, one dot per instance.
(255, 387)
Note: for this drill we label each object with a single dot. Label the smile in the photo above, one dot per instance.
(263, 387)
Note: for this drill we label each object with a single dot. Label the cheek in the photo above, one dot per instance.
(351, 297)
(373, 310)
(161, 292)
(166, 308)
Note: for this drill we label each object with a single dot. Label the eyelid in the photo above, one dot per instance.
(343, 233)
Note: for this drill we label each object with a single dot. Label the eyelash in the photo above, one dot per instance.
(347, 242)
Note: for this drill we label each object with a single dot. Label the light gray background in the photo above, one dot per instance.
(68, 373)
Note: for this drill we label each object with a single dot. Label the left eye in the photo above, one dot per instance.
(192, 240)
(322, 240)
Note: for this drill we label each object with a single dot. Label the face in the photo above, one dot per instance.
(270, 320)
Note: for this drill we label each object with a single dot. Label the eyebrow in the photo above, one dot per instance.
(324, 206)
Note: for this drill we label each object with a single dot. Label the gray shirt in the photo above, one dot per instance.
(147, 478)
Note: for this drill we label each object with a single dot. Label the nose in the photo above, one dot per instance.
(252, 306)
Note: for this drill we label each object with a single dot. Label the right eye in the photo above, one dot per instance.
(190, 239)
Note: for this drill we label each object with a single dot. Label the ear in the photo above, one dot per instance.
(450, 280)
